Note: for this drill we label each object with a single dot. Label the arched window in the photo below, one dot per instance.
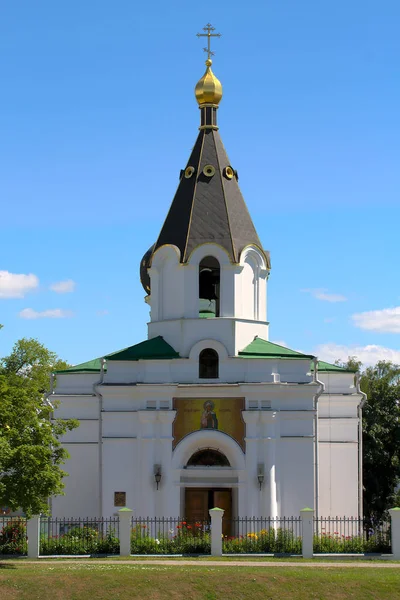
(209, 287)
(208, 458)
(208, 364)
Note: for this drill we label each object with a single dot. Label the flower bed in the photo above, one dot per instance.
(80, 540)
(182, 539)
(279, 541)
(13, 538)
(336, 543)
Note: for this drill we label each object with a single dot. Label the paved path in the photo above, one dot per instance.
(217, 563)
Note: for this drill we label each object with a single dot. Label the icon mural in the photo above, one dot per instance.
(222, 414)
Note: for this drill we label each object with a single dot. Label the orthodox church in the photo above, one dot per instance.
(207, 411)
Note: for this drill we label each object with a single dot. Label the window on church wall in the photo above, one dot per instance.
(208, 364)
(208, 458)
(209, 287)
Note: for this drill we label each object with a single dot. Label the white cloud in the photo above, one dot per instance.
(369, 355)
(322, 294)
(16, 285)
(63, 287)
(386, 320)
(50, 313)
(280, 343)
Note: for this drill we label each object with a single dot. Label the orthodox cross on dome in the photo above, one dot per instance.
(208, 28)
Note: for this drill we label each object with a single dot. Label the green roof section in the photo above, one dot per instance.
(91, 366)
(324, 367)
(260, 348)
(154, 349)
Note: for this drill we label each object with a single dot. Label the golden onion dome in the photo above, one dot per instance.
(209, 89)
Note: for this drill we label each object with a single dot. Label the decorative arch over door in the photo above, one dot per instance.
(208, 457)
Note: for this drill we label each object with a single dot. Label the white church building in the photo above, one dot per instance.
(207, 412)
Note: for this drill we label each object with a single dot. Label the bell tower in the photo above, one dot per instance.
(206, 275)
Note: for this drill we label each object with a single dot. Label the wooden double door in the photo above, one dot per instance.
(198, 502)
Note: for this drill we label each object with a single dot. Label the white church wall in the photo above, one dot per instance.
(296, 475)
(81, 497)
(76, 407)
(296, 423)
(121, 470)
(87, 432)
(336, 430)
(76, 383)
(339, 405)
(122, 424)
(338, 383)
(338, 479)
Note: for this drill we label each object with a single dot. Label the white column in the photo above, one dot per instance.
(125, 519)
(146, 447)
(166, 505)
(191, 292)
(269, 419)
(307, 540)
(395, 517)
(33, 535)
(216, 515)
(251, 418)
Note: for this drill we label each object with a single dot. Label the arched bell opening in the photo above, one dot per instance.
(208, 364)
(208, 457)
(209, 287)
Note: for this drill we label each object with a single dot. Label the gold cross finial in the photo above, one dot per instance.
(208, 28)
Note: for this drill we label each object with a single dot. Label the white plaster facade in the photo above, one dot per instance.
(306, 446)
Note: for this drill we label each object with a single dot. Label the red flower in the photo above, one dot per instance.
(189, 527)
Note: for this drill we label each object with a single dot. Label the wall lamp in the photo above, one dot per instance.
(260, 475)
(157, 474)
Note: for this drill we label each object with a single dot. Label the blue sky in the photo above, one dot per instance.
(98, 116)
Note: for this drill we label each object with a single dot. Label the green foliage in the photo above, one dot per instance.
(340, 544)
(181, 540)
(381, 438)
(80, 540)
(30, 451)
(281, 541)
(13, 537)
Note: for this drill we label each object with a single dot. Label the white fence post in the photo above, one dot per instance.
(307, 538)
(33, 535)
(216, 515)
(125, 519)
(395, 517)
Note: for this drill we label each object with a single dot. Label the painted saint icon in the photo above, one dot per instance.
(209, 418)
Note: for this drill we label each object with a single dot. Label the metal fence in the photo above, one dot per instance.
(169, 536)
(79, 536)
(350, 535)
(262, 535)
(13, 540)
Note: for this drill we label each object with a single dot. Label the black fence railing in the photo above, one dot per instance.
(169, 536)
(344, 535)
(262, 535)
(13, 540)
(79, 536)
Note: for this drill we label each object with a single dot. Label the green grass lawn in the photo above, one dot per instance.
(81, 581)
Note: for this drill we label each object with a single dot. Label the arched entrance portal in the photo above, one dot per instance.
(199, 500)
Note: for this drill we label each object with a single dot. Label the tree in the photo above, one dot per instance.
(30, 450)
(381, 437)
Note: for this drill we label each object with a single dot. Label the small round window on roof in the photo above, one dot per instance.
(209, 170)
(189, 172)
